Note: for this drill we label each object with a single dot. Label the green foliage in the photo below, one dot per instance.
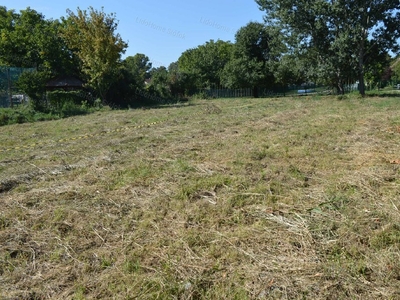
(202, 95)
(337, 38)
(21, 37)
(92, 35)
(27, 113)
(58, 99)
(166, 86)
(16, 116)
(180, 82)
(288, 70)
(27, 39)
(159, 82)
(4, 118)
(377, 66)
(57, 57)
(251, 62)
(206, 62)
(139, 67)
(33, 84)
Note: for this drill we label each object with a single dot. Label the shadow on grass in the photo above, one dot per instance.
(386, 94)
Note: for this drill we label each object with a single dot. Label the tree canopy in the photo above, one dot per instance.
(251, 62)
(92, 36)
(206, 62)
(139, 67)
(339, 35)
(28, 40)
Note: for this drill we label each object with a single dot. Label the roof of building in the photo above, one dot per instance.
(65, 82)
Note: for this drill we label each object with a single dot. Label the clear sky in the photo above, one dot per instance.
(162, 30)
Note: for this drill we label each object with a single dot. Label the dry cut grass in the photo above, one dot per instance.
(290, 198)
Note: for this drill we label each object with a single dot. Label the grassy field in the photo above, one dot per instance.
(289, 198)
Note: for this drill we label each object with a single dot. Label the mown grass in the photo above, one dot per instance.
(289, 198)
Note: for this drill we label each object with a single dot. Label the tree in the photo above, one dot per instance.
(8, 47)
(180, 83)
(206, 62)
(28, 40)
(377, 67)
(92, 37)
(20, 37)
(288, 70)
(251, 62)
(128, 87)
(22, 44)
(122, 89)
(33, 84)
(338, 32)
(139, 67)
(58, 58)
(159, 86)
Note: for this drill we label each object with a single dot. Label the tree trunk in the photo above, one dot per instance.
(361, 82)
(340, 88)
(361, 54)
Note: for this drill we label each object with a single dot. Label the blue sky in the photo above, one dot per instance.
(162, 30)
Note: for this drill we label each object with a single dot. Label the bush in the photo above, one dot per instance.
(19, 118)
(58, 99)
(33, 84)
(12, 116)
(26, 114)
(71, 109)
(4, 119)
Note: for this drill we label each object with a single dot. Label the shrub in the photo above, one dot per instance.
(4, 119)
(58, 99)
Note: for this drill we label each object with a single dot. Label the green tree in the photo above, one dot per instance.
(377, 68)
(58, 58)
(128, 87)
(21, 37)
(159, 86)
(337, 32)
(180, 83)
(121, 93)
(8, 47)
(139, 67)
(288, 70)
(206, 62)
(33, 84)
(251, 64)
(28, 40)
(92, 36)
